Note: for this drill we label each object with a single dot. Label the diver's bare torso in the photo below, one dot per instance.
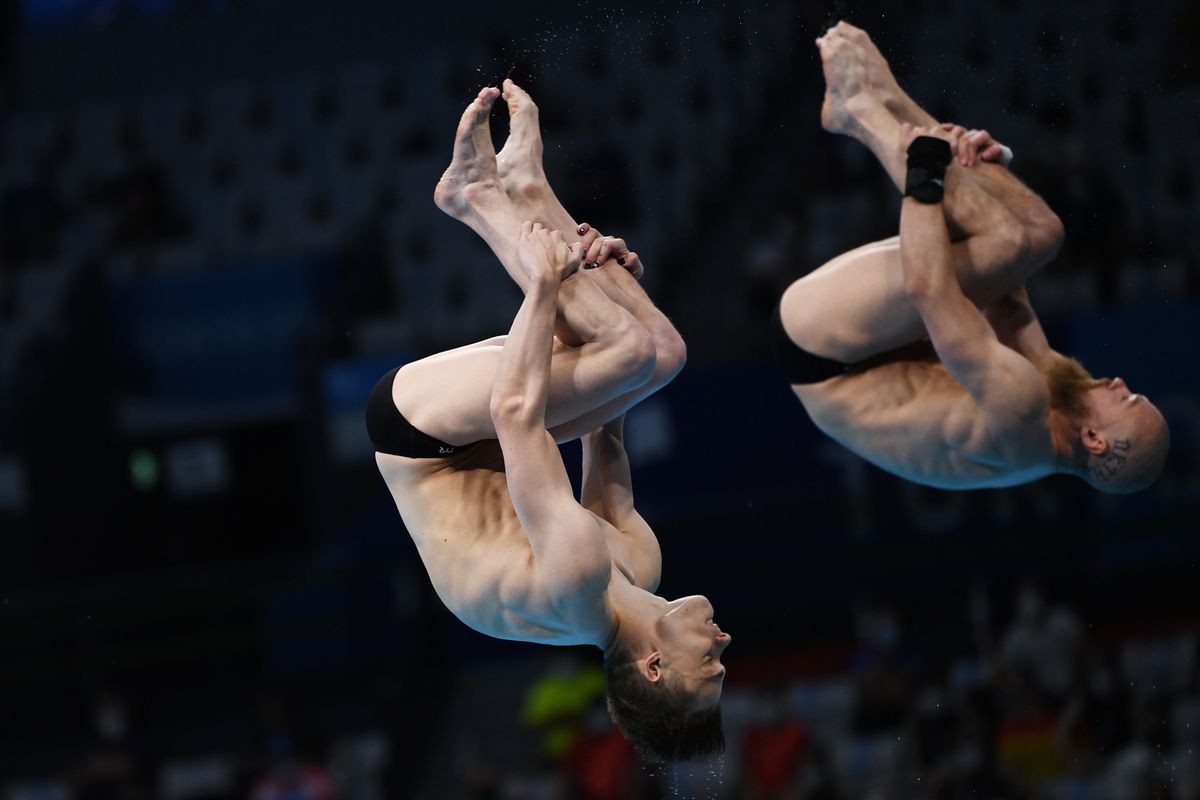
(911, 418)
(461, 518)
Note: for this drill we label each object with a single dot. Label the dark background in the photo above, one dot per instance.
(216, 233)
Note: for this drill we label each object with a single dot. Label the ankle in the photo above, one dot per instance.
(528, 190)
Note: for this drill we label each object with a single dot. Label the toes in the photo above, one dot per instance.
(478, 109)
(511, 90)
(480, 131)
(517, 98)
(483, 101)
(474, 131)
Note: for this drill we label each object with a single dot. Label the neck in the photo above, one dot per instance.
(1071, 388)
(635, 612)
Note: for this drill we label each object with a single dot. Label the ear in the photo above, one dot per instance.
(652, 667)
(1094, 441)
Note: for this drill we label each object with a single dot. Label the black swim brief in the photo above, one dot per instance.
(391, 433)
(800, 365)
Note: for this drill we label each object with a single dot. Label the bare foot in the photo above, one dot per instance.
(520, 165)
(520, 160)
(857, 79)
(472, 178)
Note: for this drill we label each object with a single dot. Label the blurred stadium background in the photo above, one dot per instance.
(216, 232)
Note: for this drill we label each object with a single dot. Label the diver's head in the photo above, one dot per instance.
(1118, 438)
(664, 688)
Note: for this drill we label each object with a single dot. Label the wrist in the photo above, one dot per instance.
(544, 284)
(928, 157)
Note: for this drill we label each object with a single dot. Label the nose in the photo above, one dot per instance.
(1117, 383)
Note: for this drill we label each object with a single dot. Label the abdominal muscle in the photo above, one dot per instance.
(461, 518)
(910, 418)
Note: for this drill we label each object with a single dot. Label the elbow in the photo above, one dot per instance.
(509, 410)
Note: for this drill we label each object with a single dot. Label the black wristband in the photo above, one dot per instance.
(928, 158)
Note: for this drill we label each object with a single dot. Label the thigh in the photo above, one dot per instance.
(852, 307)
(448, 395)
(855, 307)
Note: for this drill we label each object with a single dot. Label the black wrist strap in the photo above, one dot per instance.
(928, 158)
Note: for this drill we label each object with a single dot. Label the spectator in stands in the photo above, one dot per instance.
(557, 702)
(1045, 646)
(601, 764)
(288, 776)
(774, 752)
(1134, 771)
(1028, 738)
(990, 404)
(884, 669)
(1096, 721)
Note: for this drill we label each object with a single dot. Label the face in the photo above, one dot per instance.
(1126, 438)
(691, 644)
(1119, 410)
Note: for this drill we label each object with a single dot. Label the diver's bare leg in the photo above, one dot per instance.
(523, 178)
(519, 164)
(861, 95)
(855, 306)
(470, 191)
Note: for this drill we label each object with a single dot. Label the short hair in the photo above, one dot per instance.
(655, 717)
(1131, 464)
(1130, 467)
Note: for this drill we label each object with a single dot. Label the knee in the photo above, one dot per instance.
(635, 353)
(1046, 235)
(801, 318)
(1014, 241)
(670, 353)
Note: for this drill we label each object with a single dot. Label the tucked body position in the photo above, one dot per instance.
(466, 442)
(922, 353)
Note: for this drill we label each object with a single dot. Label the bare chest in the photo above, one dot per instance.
(475, 550)
(911, 419)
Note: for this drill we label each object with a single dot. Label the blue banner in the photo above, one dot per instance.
(217, 337)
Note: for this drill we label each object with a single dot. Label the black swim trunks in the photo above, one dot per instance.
(800, 365)
(391, 433)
